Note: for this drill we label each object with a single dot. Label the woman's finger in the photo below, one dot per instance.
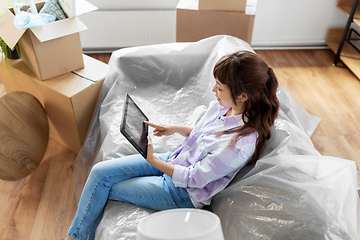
(149, 141)
(158, 133)
(150, 147)
(154, 125)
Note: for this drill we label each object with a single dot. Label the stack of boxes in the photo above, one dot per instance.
(199, 19)
(54, 70)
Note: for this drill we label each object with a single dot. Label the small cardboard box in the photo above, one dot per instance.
(69, 99)
(49, 50)
(193, 25)
(223, 5)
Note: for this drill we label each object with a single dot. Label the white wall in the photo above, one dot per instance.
(295, 22)
(3, 4)
(291, 22)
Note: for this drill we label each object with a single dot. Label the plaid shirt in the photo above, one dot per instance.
(204, 163)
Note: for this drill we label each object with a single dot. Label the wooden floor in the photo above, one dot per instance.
(42, 205)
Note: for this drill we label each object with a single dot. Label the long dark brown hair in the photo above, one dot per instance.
(245, 72)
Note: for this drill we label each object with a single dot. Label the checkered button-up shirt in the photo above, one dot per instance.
(205, 163)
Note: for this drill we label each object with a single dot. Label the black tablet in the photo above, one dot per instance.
(133, 127)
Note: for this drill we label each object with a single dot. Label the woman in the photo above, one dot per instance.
(229, 135)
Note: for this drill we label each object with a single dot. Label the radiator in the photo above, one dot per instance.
(111, 30)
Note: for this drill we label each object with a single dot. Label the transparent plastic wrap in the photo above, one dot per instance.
(120, 221)
(172, 83)
(292, 197)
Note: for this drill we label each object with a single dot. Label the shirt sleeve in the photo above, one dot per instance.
(224, 161)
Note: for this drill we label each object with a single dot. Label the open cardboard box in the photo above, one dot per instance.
(49, 50)
(69, 99)
(193, 24)
(223, 5)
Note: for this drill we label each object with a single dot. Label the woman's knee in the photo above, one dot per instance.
(98, 170)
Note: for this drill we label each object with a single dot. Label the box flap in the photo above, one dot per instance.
(58, 29)
(224, 5)
(94, 70)
(73, 8)
(83, 6)
(8, 32)
(188, 4)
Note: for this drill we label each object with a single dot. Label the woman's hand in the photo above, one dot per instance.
(165, 130)
(165, 167)
(150, 151)
(162, 130)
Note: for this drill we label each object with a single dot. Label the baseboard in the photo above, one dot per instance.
(289, 44)
(306, 47)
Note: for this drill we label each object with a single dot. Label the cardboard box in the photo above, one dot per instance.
(193, 25)
(69, 100)
(223, 5)
(49, 50)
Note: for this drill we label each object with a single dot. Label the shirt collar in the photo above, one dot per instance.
(229, 122)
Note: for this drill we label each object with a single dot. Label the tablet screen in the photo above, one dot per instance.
(133, 127)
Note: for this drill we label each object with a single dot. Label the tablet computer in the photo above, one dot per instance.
(133, 127)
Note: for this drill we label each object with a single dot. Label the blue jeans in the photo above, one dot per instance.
(129, 179)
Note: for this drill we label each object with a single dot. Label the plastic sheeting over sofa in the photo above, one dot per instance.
(291, 193)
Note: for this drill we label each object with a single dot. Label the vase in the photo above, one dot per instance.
(12, 54)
